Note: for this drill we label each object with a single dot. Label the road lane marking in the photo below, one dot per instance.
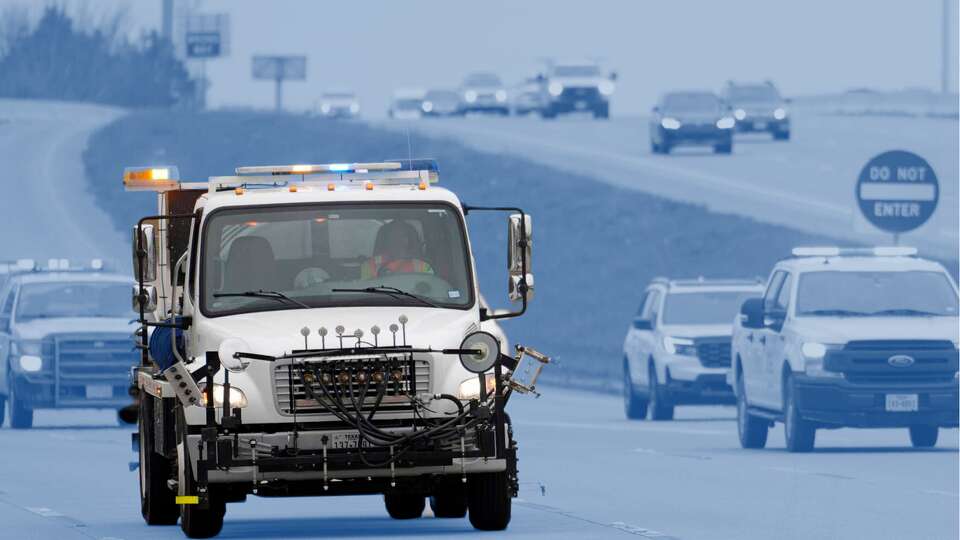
(938, 492)
(652, 452)
(633, 427)
(616, 525)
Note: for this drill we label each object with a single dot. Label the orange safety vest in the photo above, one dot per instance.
(371, 268)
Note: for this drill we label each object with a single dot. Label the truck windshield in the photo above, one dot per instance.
(326, 255)
(875, 294)
(73, 299)
(703, 307)
(762, 94)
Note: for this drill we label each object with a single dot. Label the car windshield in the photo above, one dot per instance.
(482, 79)
(705, 103)
(576, 71)
(761, 93)
(914, 293)
(74, 299)
(313, 254)
(717, 307)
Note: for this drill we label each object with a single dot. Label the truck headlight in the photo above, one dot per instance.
(354, 108)
(606, 88)
(679, 346)
(814, 354)
(779, 113)
(739, 114)
(670, 123)
(726, 122)
(238, 399)
(470, 388)
(501, 95)
(813, 350)
(555, 89)
(470, 96)
(31, 363)
(325, 108)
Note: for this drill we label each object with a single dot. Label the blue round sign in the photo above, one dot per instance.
(897, 191)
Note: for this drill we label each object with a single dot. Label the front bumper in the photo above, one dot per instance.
(691, 383)
(696, 135)
(837, 402)
(40, 391)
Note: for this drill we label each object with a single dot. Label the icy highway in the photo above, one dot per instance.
(806, 183)
(586, 472)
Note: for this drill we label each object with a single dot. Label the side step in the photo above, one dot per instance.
(773, 416)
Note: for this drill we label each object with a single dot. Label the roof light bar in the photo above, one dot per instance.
(317, 169)
(879, 251)
(151, 178)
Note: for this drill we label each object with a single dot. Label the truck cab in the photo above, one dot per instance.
(64, 339)
(325, 335)
(570, 87)
(853, 337)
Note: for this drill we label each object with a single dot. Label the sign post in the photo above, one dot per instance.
(280, 69)
(897, 192)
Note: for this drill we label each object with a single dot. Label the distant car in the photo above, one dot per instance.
(441, 103)
(339, 105)
(406, 105)
(692, 118)
(64, 341)
(848, 337)
(483, 93)
(677, 350)
(527, 98)
(758, 108)
(577, 87)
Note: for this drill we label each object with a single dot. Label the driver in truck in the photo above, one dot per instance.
(395, 252)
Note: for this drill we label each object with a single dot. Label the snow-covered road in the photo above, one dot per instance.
(586, 472)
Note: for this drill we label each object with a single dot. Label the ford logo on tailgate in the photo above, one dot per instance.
(900, 360)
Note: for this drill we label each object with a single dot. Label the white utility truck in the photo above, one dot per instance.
(318, 330)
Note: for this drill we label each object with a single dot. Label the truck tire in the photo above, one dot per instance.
(158, 504)
(634, 406)
(21, 415)
(404, 506)
(654, 147)
(489, 500)
(723, 148)
(800, 434)
(660, 406)
(924, 436)
(548, 113)
(752, 431)
(781, 135)
(450, 499)
(602, 112)
(196, 522)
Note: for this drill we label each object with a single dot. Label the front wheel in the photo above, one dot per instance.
(799, 433)
(924, 436)
(752, 431)
(157, 502)
(21, 414)
(404, 506)
(196, 522)
(634, 406)
(723, 148)
(781, 135)
(489, 500)
(660, 406)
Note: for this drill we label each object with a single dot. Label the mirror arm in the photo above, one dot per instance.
(523, 287)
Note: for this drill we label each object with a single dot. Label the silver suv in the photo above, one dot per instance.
(677, 350)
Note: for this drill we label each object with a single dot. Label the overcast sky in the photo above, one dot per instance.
(373, 46)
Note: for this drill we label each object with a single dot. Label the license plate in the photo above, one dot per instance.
(346, 441)
(759, 125)
(581, 105)
(99, 391)
(903, 402)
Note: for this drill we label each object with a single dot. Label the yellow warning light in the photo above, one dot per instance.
(150, 178)
(239, 191)
(301, 168)
(293, 188)
(422, 186)
(331, 187)
(368, 186)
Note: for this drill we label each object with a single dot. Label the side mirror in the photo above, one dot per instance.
(655, 109)
(520, 256)
(148, 299)
(788, 100)
(613, 75)
(144, 253)
(751, 313)
(642, 324)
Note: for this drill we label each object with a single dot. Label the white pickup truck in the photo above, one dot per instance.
(848, 338)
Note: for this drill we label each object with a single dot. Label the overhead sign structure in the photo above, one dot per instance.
(280, 69)
(897, 191)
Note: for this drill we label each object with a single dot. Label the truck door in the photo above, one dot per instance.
(645, 338)
(774, 355)
(754, 375)
(6, 312)
(631, 343)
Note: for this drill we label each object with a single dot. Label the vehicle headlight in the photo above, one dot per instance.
(470, 388)
(238, 399)
(813, 350)
(606, 88)
(325, 108)
(555, 89)
(726, 122)
(814, 354)
(427, 106)
(779, 113)
(31, 363)
(680, 346)
(670, 123)
(354, 108)
(470, 96)
(739, 114)
(501, 95)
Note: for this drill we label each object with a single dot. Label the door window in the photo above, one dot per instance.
(773, 290)
(783, 297)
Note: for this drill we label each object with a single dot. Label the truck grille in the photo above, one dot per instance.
(585, 92)
(87, 361)
(868, 362)
(413, 378)
(714, 352)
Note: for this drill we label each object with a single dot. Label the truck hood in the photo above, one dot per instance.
(278, 332)
(696, 330)
(840, 330)
(578, 82)
(41, 328)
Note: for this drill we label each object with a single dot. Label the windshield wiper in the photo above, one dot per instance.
(904, 311)
(262, 294)
(390, 291)
(835, 313)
